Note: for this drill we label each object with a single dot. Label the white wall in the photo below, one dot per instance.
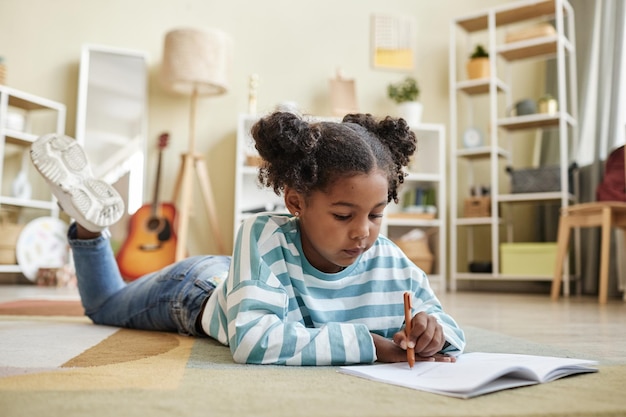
(294, 45)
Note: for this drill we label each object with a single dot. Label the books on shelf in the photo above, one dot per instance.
(419, 196)
(474, 374)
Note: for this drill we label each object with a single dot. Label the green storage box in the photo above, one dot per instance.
(531, 259)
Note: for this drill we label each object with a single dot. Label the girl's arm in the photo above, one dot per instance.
(265, 325)
(262, 333)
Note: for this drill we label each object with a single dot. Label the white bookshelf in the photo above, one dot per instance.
(35, 116)
(427, 170)
(497, 91)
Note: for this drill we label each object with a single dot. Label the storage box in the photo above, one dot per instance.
(9, 232)
(540, 30)
(477, 207)
(418, 252)
(529, 259)
(537, 180)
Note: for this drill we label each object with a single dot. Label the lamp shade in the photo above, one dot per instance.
(197, 60)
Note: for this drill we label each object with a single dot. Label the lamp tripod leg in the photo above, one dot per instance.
(209, 202)
(179, 178)
(190, 162)
(184, 183)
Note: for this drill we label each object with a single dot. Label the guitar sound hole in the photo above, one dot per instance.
(161, 227)
(154, 224)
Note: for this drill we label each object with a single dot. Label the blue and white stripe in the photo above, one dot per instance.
(275, 308)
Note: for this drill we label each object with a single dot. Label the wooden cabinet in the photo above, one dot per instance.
(23, 118)
(488, 102)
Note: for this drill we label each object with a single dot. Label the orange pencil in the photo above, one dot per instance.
(410, 352)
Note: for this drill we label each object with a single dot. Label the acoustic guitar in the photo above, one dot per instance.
(151, 241)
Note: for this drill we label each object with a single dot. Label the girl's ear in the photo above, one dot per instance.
(293, 201)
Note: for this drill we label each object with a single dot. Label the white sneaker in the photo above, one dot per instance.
(93, 203)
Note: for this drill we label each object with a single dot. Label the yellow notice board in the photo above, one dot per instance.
(394, 58)
(393, 42)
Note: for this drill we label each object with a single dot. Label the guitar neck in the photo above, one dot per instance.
(163, 139)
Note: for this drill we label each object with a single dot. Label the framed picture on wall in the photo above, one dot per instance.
(393, 42)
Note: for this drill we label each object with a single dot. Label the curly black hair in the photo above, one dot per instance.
(310, 155)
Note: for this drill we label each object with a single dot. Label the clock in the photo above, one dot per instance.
(472, 138)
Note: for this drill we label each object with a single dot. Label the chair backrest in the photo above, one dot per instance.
(613, 185)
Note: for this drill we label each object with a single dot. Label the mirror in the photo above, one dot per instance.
(111, 121)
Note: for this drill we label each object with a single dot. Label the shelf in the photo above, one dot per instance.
(509, 14)
(412, 219)
(21, 202)
(19, 138)
(531, 48)
(502, 277)
(249, 170)
(8, 268)
(521, 197)
(412, 222)
(28, 102)
(480, 86)
(534, 121)
(483, 152)
(421, 177)
(476, 221)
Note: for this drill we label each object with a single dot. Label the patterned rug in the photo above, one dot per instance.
(42, 307)
(108, 371)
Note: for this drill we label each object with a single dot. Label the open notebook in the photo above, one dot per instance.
(474, 373)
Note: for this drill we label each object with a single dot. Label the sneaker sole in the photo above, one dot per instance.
(62, 162)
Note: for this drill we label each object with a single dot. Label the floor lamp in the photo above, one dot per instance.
(195, 63)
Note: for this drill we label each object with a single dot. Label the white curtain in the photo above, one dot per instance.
(601, 80)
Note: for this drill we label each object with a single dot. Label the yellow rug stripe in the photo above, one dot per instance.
(127, 359)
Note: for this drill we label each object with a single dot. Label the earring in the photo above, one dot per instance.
(297, 213)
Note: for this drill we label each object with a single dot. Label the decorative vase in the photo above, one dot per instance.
(478, 68)
(411, 111)
(549, 106)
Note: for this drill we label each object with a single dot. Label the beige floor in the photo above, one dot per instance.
(577, 324)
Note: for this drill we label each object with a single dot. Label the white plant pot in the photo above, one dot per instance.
(411, 111)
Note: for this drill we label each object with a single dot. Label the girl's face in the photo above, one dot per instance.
(341, 223)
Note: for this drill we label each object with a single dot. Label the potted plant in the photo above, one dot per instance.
(405, 94)
(478, 65)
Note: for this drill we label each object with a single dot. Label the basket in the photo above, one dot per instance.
(9, 232)
(537, 31)
(477, 207)
(538, 180)
(254, 160)
(418, 252)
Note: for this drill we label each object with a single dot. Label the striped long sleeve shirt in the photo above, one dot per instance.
(276, 308)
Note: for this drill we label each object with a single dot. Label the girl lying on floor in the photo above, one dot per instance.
(317, 286)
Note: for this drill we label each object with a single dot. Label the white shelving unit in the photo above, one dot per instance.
(427, 170)
(497, 91)
(39, 115)
(249, 196)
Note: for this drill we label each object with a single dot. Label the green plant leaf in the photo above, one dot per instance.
(406, 90)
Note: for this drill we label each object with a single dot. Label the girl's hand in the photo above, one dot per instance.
(390, 351)
(426, 336)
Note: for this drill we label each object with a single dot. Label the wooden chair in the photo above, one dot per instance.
(605, 214)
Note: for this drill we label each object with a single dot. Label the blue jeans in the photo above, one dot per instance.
(171, 299)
